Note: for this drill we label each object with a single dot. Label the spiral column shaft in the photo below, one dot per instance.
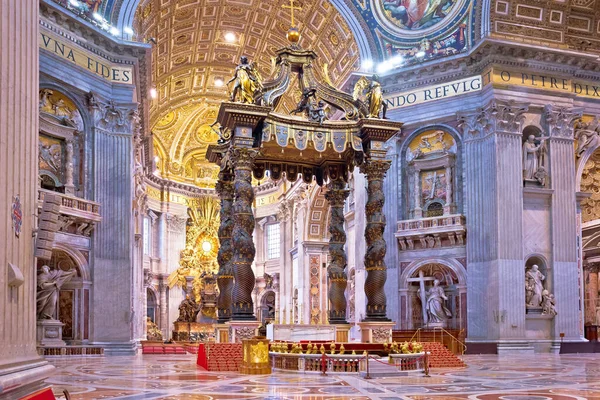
(338, 280)
(243, 227)
(224, 188)
(375, 171)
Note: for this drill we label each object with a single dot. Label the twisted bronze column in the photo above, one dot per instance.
(336, 195)
(243, 226)
(376, 247)
(224, 188)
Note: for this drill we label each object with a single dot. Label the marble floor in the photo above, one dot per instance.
(177, 377)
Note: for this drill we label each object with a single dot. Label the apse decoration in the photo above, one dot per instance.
(419, 29)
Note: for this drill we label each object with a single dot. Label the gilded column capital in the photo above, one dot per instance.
(496, 116)
(375, 169)
(561, 120)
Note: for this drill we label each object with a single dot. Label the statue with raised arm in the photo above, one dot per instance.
(246, 80)
(49, 283)
(436, 309)
(534, 286)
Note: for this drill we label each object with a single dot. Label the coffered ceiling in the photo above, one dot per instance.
(192, 54)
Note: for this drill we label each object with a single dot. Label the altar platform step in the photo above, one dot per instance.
(378, 369)
(441, 357)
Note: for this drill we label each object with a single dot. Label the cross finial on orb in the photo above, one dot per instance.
(292, 7)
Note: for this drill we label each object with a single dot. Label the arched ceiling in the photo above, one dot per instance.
(191, 54)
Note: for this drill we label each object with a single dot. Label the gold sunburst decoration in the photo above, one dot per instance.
(199, 257)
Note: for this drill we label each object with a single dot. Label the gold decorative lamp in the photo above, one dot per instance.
(255, 357)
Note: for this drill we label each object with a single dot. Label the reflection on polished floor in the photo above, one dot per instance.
(489, 377)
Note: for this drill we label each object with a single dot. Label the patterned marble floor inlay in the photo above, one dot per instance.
(539, 377)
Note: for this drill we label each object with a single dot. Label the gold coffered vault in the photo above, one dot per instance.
(197, 44)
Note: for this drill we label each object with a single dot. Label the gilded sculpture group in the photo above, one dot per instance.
(247, 87)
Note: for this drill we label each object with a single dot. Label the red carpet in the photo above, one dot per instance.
(441, 357)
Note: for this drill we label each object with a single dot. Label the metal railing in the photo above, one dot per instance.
(440, 335)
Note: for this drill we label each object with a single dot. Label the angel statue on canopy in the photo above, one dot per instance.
(374, 95)
(247, 81)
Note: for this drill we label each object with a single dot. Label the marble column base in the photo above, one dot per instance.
(376, 332)
(222, 333)
(240, 330)
(514, 347)
(24, 378)
(118, 348)
(49, 333)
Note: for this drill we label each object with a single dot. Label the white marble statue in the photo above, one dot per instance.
(533, 157)
(436, 309)
(534, 286)
(48, 287)
(548, 303)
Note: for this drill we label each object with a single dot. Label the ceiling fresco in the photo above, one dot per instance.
(418, 30)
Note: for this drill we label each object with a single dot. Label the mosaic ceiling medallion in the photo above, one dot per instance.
(416, 17)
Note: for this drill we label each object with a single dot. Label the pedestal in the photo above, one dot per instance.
(49, 333)
(376, 332)
(222, 333)
(342, 333)
(256, 357)
(240, 330)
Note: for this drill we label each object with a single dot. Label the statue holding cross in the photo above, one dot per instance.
(435, 312)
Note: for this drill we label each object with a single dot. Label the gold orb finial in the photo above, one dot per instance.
(293, 35)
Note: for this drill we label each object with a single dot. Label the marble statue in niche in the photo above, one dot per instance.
(534, 286)
(437, 312)
(49, 283)
(534, 161)
(548, 304)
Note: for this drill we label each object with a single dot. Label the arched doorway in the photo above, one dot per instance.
(267, 307)
(417, 280)
(152, 306)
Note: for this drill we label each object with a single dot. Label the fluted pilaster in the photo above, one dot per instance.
(376, 246)
(21, 369)
(338, 280)
(564, 279)
(495, 294)
(243, 227)
(224, 188)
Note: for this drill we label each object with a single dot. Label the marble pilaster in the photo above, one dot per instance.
(495, 294)
(112, 316)
(565, 274)
(21, 369)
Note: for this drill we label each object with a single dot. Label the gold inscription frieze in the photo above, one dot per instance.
(70, 52)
